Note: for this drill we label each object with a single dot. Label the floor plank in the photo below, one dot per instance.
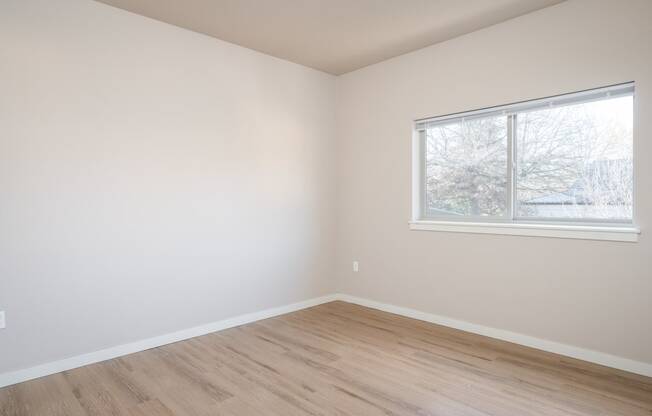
(335, 359)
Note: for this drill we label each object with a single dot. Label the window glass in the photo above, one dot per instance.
(575, 161)
(466, 168)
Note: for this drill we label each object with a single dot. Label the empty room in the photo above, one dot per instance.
(325, 207)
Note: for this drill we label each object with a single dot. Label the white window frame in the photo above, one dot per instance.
(510, 223)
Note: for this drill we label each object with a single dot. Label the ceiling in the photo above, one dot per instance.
(335, 36)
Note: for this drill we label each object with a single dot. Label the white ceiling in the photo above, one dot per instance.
(335, 36)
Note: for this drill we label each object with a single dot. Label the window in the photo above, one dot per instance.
(564, 161)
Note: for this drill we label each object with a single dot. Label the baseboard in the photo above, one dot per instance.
(596, 357)
(31, 373)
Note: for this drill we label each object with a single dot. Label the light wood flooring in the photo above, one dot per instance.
(335, 359)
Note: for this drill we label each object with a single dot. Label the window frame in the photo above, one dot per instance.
(618, 229)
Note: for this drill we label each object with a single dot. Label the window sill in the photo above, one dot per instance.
(584, 232)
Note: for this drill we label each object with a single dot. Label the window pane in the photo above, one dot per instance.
(575, 161)
(466, 168)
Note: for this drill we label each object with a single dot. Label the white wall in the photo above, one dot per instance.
(151, 179)
(594, 295)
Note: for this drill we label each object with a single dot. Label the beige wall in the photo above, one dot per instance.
(590, 294)
(151, 179)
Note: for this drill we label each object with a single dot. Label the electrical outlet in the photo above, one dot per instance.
(356, 266)
(2, 319)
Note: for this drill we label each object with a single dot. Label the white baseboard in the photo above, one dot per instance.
(608, 360)
(596, 357)
(38, 371)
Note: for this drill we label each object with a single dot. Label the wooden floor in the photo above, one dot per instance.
(335, 359)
